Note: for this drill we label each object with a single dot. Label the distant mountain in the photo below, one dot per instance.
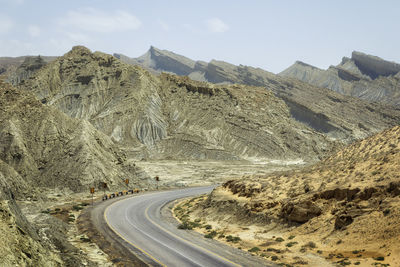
(168, 116)
(339, 117)
(364, 76)
(8, 65)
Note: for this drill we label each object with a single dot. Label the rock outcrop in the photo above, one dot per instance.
(363, 76)
(168, 116)
(330, 113)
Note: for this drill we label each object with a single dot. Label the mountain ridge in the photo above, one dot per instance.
(309, 104)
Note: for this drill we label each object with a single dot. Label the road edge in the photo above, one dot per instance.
(90, 222)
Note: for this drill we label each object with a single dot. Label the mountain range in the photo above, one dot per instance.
(326, 111)
(167, 116)
(364, 76)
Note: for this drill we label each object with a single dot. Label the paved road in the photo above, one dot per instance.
(140, 222)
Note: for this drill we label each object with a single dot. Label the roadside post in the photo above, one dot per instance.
(92, 192)
(104, 189)
(157, 180)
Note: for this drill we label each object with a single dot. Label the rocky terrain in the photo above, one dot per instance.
(364, 76)
(171, 117)
(347, 205)
(330, 113)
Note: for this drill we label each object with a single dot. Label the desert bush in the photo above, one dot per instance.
(279, 239)
(274, 258)
(254, 249)
(185, 226)
(211, 235)
(291, 244)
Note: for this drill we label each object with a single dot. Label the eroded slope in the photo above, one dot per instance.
(173, 117)
(49, 149)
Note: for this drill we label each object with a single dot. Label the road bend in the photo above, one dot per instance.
(139, 222)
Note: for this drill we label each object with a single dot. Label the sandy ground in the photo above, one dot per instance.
(67, 206)
(289, 246)
(196, 173)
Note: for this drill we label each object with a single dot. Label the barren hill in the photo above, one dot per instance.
(348, 204)
(364, 76)
(173, 117)
(49, 149)
(337, 116)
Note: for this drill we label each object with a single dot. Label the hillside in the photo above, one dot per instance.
(49, 149)
(348, 205)
(330, 113)
(364, 76)
(166, 116)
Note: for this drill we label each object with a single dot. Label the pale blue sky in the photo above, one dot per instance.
(268, 34)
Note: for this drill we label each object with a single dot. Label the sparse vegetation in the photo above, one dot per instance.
(233, 239)
(208, 227)
(291, 244)
(211, 235)
(274, 258)
(279, 239)
(254, 249)
(185, 226)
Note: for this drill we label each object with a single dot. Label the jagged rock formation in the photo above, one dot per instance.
(367, 77)
(170, 116)
(49, 149)
(337, 116)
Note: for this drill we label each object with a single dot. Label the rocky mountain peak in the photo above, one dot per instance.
(79, 50)
(374, 66)
(301, 63)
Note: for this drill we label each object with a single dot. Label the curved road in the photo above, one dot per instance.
(140, 222)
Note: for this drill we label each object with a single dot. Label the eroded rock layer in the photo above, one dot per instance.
(173, 117)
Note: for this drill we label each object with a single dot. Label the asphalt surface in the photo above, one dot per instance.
(145, 229)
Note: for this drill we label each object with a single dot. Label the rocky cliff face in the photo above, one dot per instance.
(173, 117)
(332, 114)
(363, 76)
(49, 149)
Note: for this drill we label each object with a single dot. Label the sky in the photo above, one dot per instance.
(270, 35)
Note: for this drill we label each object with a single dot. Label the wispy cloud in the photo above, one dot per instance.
(163, 25)
(34, 30)
(216, 25)
(93, 20)
(6, 24)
